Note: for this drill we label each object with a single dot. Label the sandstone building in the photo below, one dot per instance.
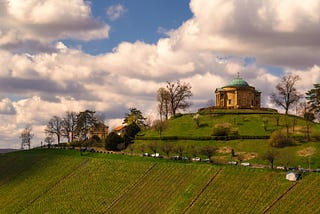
(100, 130)
(238, 94)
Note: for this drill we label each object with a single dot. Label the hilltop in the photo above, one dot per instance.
(62, 181)
(252, 127)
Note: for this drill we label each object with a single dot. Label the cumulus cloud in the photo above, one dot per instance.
(207, 51)
(6, 107)
(275, 32)
(34, 24)
(114, 12)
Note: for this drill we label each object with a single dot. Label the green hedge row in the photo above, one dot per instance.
(202, 138)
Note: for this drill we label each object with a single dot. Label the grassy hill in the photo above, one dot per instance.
(247, 122)
(254, 127)
(62, 181)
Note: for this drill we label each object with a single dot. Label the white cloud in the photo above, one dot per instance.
(6, 107)
(114, 12)
(33, 23)
(276, 32)
(69, 79)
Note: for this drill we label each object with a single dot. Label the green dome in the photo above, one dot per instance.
(237, 82)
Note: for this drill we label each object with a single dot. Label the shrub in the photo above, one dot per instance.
(222, 129)
(113, 141)
(279, 139)
(270, 156)
(208, 151)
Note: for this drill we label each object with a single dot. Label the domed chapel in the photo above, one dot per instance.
(238, 94)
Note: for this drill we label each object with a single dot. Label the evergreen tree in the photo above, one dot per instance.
(313, 97)
(135, 116)
(85, 120)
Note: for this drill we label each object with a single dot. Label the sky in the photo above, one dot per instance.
(111, 55)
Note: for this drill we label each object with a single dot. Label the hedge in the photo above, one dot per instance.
(202, 138)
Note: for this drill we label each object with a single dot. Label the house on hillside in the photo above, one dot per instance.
(293, 176)
(120, 130)
(238, 94)
(100, 130)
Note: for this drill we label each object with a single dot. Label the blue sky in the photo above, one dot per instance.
(142, 20)
(109, 55)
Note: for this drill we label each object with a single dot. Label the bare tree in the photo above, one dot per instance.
(167, 148)
(305, 112)
(163, 98)
(276, 116)
(69, 123)
(287, 95)
(179, 149)
(209, 151)
(159, 126)
(179, 93)
(153, 147)
(193, 150)
(54, 127)
(26, 136)
(270, 156)
(49, 140)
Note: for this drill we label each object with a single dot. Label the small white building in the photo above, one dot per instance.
(293, 176)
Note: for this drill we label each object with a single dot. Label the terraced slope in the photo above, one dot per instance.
(304, 198)
(168, 188)
(27, 183)
(241, 190)
(46, 181)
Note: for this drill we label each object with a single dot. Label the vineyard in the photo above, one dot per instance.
(60, 181)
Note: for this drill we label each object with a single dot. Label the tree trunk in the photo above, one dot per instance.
(287, 125)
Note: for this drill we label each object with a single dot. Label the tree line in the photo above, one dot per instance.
(72, 126)
(288, 97)
(172, 98)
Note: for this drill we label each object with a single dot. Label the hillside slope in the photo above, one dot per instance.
(62, 181)
(246, 122)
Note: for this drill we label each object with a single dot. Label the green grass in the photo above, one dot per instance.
(91, 188)
(174, 184)
(303, 198)
(62, 181)
(31, 182)
(248, 124)
(238, 190)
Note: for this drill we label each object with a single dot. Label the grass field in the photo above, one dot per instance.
(62, 181)
(249, 123)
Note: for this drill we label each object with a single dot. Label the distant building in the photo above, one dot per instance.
(100, 130)
(238, 94)
(120, 130)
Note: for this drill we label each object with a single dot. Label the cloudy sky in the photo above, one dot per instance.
(108, 56)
